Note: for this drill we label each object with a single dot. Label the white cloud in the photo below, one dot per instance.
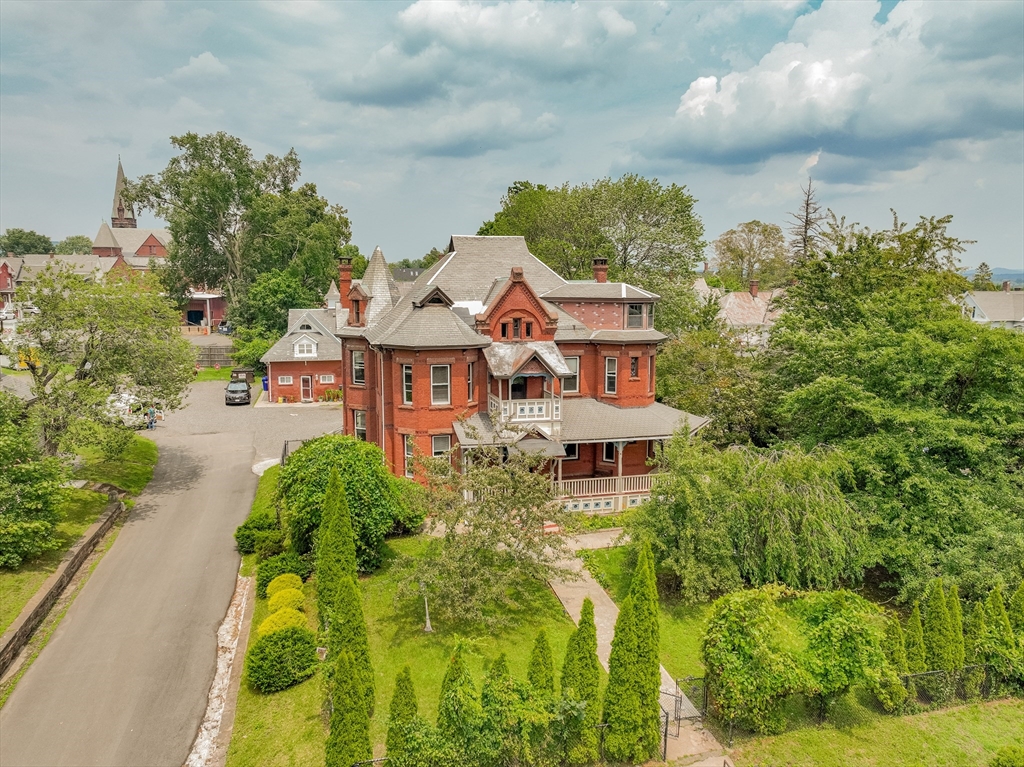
(205, 66)
(480, 129)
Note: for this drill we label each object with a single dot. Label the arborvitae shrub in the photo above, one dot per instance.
(895, 646)
(1016, 611)
(402, 714)
(581, 677)
(916, 660)
(336, 547)
(268, 543)
(290, 599)
(541, 671)
(622, 695)
(281, 659)
(938, 640)
(644, 591)
(349, 738)
(956, 626)
(347, 632)
(282, 619)
(976, 645)
(1008, 756)
(246, 533)
(289, 562)
(458, 710)
(282, 582)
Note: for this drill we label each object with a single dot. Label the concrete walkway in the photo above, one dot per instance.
(694, 745)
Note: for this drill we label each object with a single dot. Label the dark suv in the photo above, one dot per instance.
(237, 393)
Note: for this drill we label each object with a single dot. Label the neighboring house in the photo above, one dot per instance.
(17, 270)
(749, 314)
(306, 361)
(489, 346)
(997, 308)
(123, 237)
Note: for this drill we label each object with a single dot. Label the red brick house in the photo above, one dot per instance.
(306, 361)
(490, 336)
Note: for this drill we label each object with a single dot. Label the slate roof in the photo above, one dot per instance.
(128, 240)
(104, 238)
(379, 286)
(320, 322)
(85, 264)
(332, 294)
(599, 291)
(424, 327)
(1000, 305)
(648, 336)
(505, 360)
(740, 309)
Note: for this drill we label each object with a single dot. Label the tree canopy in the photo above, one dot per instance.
(753, 251)
(76, 243)
(23, 241)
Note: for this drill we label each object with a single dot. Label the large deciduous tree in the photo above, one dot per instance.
(92, 339)
(23, 241)
(753, 251)
(76, 243)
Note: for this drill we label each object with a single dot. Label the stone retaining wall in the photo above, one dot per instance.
(17, 636)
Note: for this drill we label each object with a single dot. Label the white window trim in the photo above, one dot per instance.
(285, 381)
(355, 424)
(447, 385)
(433, 444)
(409, 448)
(566, 389)
(304, 341)
(639, 317)
(604, 452)
(613, 363)
(470, 393)
(361, 367)
(327, 378)
(576, 448)
(407, 386)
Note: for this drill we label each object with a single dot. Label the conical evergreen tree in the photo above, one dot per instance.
(622, 713)
(1016, 612)
(541, 671)
(501, 731)
(348, 632)
(336, 547)
(956, 626)
(581, 678)
(938, 642)
(458, 710)
(643, 590)
(998, 620)
(349, 739)
(402, 714)
(895, 646)
(916, 660)
(976, 636)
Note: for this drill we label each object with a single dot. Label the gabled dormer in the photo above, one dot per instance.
(151, 246)
(358, 300)
(304, 347)
(516, 313)
(432, 296)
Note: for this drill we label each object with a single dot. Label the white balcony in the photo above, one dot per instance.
(526, 410)
(639, 484)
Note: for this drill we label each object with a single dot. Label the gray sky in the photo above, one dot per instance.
(418, 117)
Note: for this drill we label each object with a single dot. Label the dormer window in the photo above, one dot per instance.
(504, 330)
(635, 316)
(355, 308)
(305, 348)
(517, 325)
(305, 327)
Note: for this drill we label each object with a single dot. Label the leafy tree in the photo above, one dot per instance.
(347, 634)
(938, 638)
(806, 224)
(982, 279)
(541, 671)
(643, 592)
(490, 519)
(90, 340)
(431, 257)
(373, 501)
(1016, 611)
(402, 715)
(336, 547)
(263, 307)
(76, 243)
(31, 488)
(753, 251)
(458, 709)
(581, 676)
(894, 646)
(721, 518)
(916, 659)
(23, 241)
(956, 626)
(349, 738)
(513, 728)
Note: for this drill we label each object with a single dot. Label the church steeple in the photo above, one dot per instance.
(121, 216)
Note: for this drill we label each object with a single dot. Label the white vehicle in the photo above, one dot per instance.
(128, 409)
(29, 308)
(7, 314)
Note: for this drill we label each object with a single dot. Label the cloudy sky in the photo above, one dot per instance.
(417, 117)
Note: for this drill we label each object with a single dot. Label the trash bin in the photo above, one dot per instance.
(266, 383)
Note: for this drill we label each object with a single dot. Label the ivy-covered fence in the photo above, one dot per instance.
(939, 689)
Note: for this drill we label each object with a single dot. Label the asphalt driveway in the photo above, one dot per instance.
(125, 677)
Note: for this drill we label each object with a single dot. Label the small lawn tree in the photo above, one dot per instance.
(336, 548)
(938, 640)
(347, 633)
(541, 671)
(581, 677)
(1016, 612)
(895, 646)
(349, 738)
(977, 645)
(916, 660)
(622, 711)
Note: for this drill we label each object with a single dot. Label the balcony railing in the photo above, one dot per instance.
(595, 486)
(524, 410)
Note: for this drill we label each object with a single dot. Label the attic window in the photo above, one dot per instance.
(517, 327)
(305, 348)
(529, 330)
(305, 326)
(436, 300)
(504, 330)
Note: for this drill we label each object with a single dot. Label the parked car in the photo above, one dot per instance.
(7, 314)
(28, 308)
(237, 393)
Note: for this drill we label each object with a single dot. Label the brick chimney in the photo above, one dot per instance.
(517, 274)
(345, 281)
(600, 269)
(1006, 286)
(753, 287)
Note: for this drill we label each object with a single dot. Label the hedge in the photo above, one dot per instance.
(263, 516)
(280, 620)
(282, 582)
(281, 659)
(289, 562)
(287, 599)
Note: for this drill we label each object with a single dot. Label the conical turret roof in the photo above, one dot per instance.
(380, 286)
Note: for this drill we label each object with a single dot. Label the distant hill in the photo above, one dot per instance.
(1000, 275)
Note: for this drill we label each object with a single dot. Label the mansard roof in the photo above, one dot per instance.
(587, 290)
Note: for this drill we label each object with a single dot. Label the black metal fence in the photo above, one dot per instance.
(937, 689)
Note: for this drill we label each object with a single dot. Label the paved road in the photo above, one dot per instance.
(125, 677)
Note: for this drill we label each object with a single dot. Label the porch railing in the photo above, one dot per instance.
(593, 486)
(525, 410)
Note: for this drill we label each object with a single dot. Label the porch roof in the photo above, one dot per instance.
(504, 360)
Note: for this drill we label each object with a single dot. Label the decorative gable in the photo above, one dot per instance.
(517, 314)
(151, 246)
(304, 347)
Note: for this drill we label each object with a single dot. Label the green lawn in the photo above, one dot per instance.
(18, 586)
(213, 374)
(961, 737)
(681, 625)
(132, 471)
(286, 728)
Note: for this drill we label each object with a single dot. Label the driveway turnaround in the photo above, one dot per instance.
(124, 679)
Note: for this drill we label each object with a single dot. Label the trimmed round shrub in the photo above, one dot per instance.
(376, 506)
(282, 619)
(289, 562)
(281, 659)
(268, 543)
(287, 599)
(1008, 756)
(282, 582)
(247, 535)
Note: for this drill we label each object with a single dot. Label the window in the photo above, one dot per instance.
(609, 452)
(635, 316)
(517, 325)
(572, 451)
(529, 330)
(504, 330)
(410, 448)
(634, 367)
(517, 389)
(440, 385)
(305, 326)
(355, 307)
(440, 444)
(359, 368)
(611, 367)
(571, 383)
(650, 373)
(469, 381)
(326, 378)
(305, 348)
(359, 417)
(406, 384)
(284, 380)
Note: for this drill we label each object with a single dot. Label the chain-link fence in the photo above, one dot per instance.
(936, 689)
